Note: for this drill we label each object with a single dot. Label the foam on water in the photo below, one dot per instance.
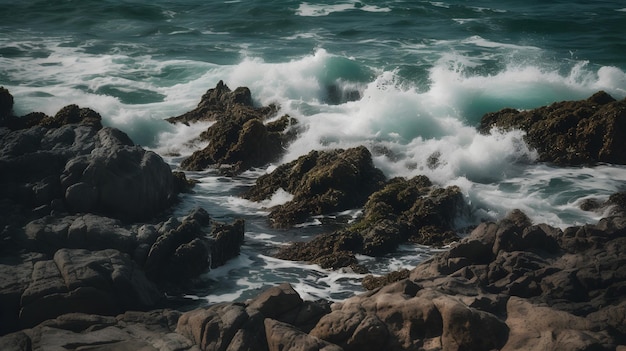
(316, 10)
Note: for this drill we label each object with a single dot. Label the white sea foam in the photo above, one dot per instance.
(316, 10)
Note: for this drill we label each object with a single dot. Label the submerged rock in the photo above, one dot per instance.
(570, 132)
(321, 182)
(240, 138)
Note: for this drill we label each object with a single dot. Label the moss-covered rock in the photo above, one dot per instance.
(570, 132)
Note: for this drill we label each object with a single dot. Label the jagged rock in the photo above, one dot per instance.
(184, 250)
(570, 132)
(6, 104)
(575, 271)
(321, 182)
(404, 210)
(216, 103)
(240, 138)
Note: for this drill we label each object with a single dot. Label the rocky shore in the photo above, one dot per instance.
(90, 251)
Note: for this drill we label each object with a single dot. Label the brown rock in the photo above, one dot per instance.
(570, 132)
(284, 337)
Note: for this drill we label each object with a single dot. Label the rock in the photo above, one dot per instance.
(240, 326)
(535, 327)
(240, 139)
(225, 241)
(186, 249)
(284, 337)
(101, 282)
(6, 104)
(371, 282)
(130, 331)
(216, 103)
(131, 183)
(404, 210)
(276, 301)
(70, 159)
(15, 276)
(321, 182)
(570, 132)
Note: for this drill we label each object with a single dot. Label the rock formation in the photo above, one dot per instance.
(570, 132)
(321, 182)
(69, 162)
(403, 210)
(240, 138)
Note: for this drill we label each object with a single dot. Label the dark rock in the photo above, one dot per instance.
(404, 210)
(216, 103)
(321, 182)
(371, 282)
(225, 241)
(102, 282)
(131, 183)
(186, 249)
(130, 331)
(93, 169)
(6, 104)
(570, 132)
(240, 139)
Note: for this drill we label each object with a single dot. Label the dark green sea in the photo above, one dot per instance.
(425, 73)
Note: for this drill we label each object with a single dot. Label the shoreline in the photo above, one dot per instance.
(488, 279)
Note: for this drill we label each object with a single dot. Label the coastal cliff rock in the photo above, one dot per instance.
(240, 138)
(570, 132)
(403, 210)
(321, 182)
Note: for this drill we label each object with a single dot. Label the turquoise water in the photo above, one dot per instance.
(425, 73)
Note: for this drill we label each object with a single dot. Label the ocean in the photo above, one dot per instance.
(413, 77)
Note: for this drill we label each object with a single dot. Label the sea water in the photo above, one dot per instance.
(412, 78)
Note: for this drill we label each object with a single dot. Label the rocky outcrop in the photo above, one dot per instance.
(570, 132)
(94, 264)
(240, 138)
(404, 210)
(6, 104)
(276, 316)
(69, 162)
(321, 182)
(130, 331)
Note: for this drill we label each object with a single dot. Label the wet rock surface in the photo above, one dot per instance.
(93, 281)
(322, 182)
(241, 137)
(570, 132)
(403, 210)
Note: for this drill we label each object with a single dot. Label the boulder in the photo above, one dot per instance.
(570, 132)
(321, 183)
(241, 326)
(284, 337)
(70, 162)
(120, 179)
